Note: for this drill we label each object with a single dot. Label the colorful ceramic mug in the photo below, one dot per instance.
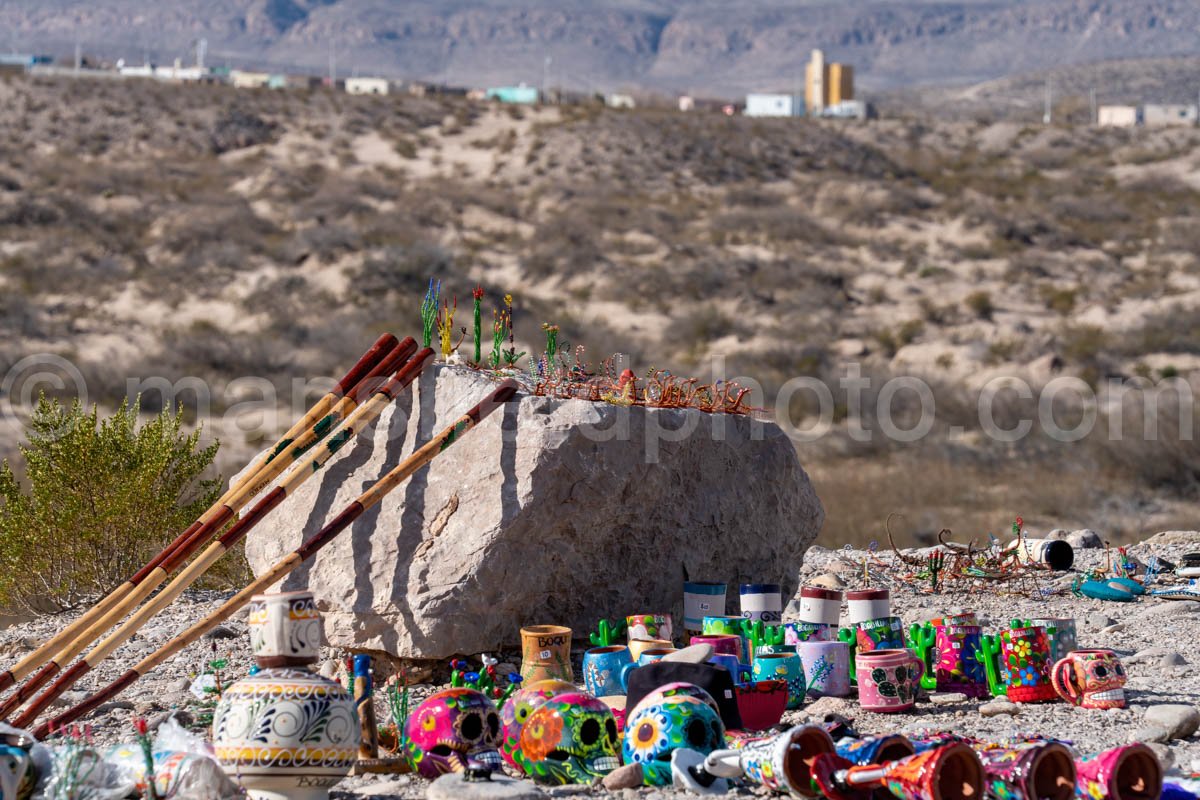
(966, 618)
(768, 649)
(867, 604)
(721, 643)
(639, 646)
(739, 671)
(886, 633)
(1025, 664)
(1029, 771)
(783, 666)
(1060, 631)
(783, 762)
(762, 602)
(644, 627)
(761, 703)
(1090, 679)
(820, 606)
(654, 654)
(797, 632)
(606, 670)
(701, 599)
(826, 668)
(1129, 772)
(959, 665)
(731, 626)
(546, 653)
(888, 680)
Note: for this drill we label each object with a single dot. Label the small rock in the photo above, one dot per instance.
(1085, 540)
(144, 707)
(626, 777)
(182, 717)
(329, 669)
(1180, 720)
(500, 787)
(1149, 654)
(947, 698)
(221, 632)
(1172, 660)
(123, 705)
(392, 787)
(1095, 621)
(1166, 756)
(818, 708)
(827, 581)
(568, 791)
(1113, 628)
(998, 707)
(1149, 733)
(179, 685)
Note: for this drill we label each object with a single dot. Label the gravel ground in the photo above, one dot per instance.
(1156, 639)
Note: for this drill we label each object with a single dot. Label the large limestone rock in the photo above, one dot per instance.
(551, 511)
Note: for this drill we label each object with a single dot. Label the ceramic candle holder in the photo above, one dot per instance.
(783, 666)
(637, 647)
(722, 643)
(820, 605)
(701, 599)
(1029, 771)
(1129, 772)
(797, 632)
(880, 634)
(865, 604)
(1060, 632)
(783, 762)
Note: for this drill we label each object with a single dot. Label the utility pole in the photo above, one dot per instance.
(78, 57)
(1047, 115)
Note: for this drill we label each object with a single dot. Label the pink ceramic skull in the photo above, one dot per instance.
(453, 730)
(1091, 679)
(518, 708)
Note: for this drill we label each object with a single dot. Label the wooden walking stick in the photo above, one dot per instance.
(383, 345)
(284, 566)
(302, 470)
(234, 501)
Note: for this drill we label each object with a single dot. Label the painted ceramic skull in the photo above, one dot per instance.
(516, 711)
(571, 738)
(1096, 679)
(452, 730)
(678, 689)
(656, 730)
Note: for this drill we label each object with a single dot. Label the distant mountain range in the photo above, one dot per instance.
(704, 46)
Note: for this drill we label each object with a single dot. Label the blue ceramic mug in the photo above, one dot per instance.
(740, 672)
(606, 670)
(783, 666)
(654, 654)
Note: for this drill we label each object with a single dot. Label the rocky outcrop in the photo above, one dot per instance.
(560, 511)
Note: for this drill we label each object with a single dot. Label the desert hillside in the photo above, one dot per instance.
(223, 234)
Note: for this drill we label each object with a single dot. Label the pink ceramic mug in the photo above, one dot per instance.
(888, 680)
(721, 643)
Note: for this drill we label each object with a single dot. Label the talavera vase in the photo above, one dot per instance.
(286, 733)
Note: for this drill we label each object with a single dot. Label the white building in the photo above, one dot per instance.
(1158, 115)
(774, 105)
(1117, 116)
(687, 103)
(366, 86)
(249, 80)
(620, 101)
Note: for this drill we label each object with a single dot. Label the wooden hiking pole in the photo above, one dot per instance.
(284, 566)
(303, 469)
(235, 500)
(383, 345)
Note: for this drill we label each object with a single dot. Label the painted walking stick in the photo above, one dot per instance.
(89, 619)
(234, 501)
(317, 458)
(308, 549)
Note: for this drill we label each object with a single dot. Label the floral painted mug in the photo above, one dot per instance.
(888, 680)
(797, 632)
(960, 660)
(1025, 664)
(886, 633)
(782, 666)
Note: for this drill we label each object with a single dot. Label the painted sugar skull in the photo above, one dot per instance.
(571, 738)
(516, 711)
(655, 730)
(1091, 679)
(677, 689)
(452, 730)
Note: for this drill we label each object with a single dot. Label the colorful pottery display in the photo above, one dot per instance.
(571, 738)
(657, 729)
(606, 670)
(1130, 772)
(959, 666)
(820, 606)
(639, 646)
(546, 653)
(1060, 631)
(826, 668)
(783, 666)
(888, 680)
(797, 632)
(286, 733)
(865, 604)
(516, 711)
(721, 643)
(1025, 665)
(886, 633)
(762, 602)
(1029, 771)
(1090, 679)
(739, 671)
(761, 703)
(701, 599)
(782, 763)
(644, 627)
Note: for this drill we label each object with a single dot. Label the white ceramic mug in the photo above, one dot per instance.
(285, 629)
(867, 604)
(820, 606)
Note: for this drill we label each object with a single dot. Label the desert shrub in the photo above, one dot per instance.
(980, 304)
(1059, 300)
(238, 128)
(103, 497)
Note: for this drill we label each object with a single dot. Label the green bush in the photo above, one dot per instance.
(103, 497)
(980, 304)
